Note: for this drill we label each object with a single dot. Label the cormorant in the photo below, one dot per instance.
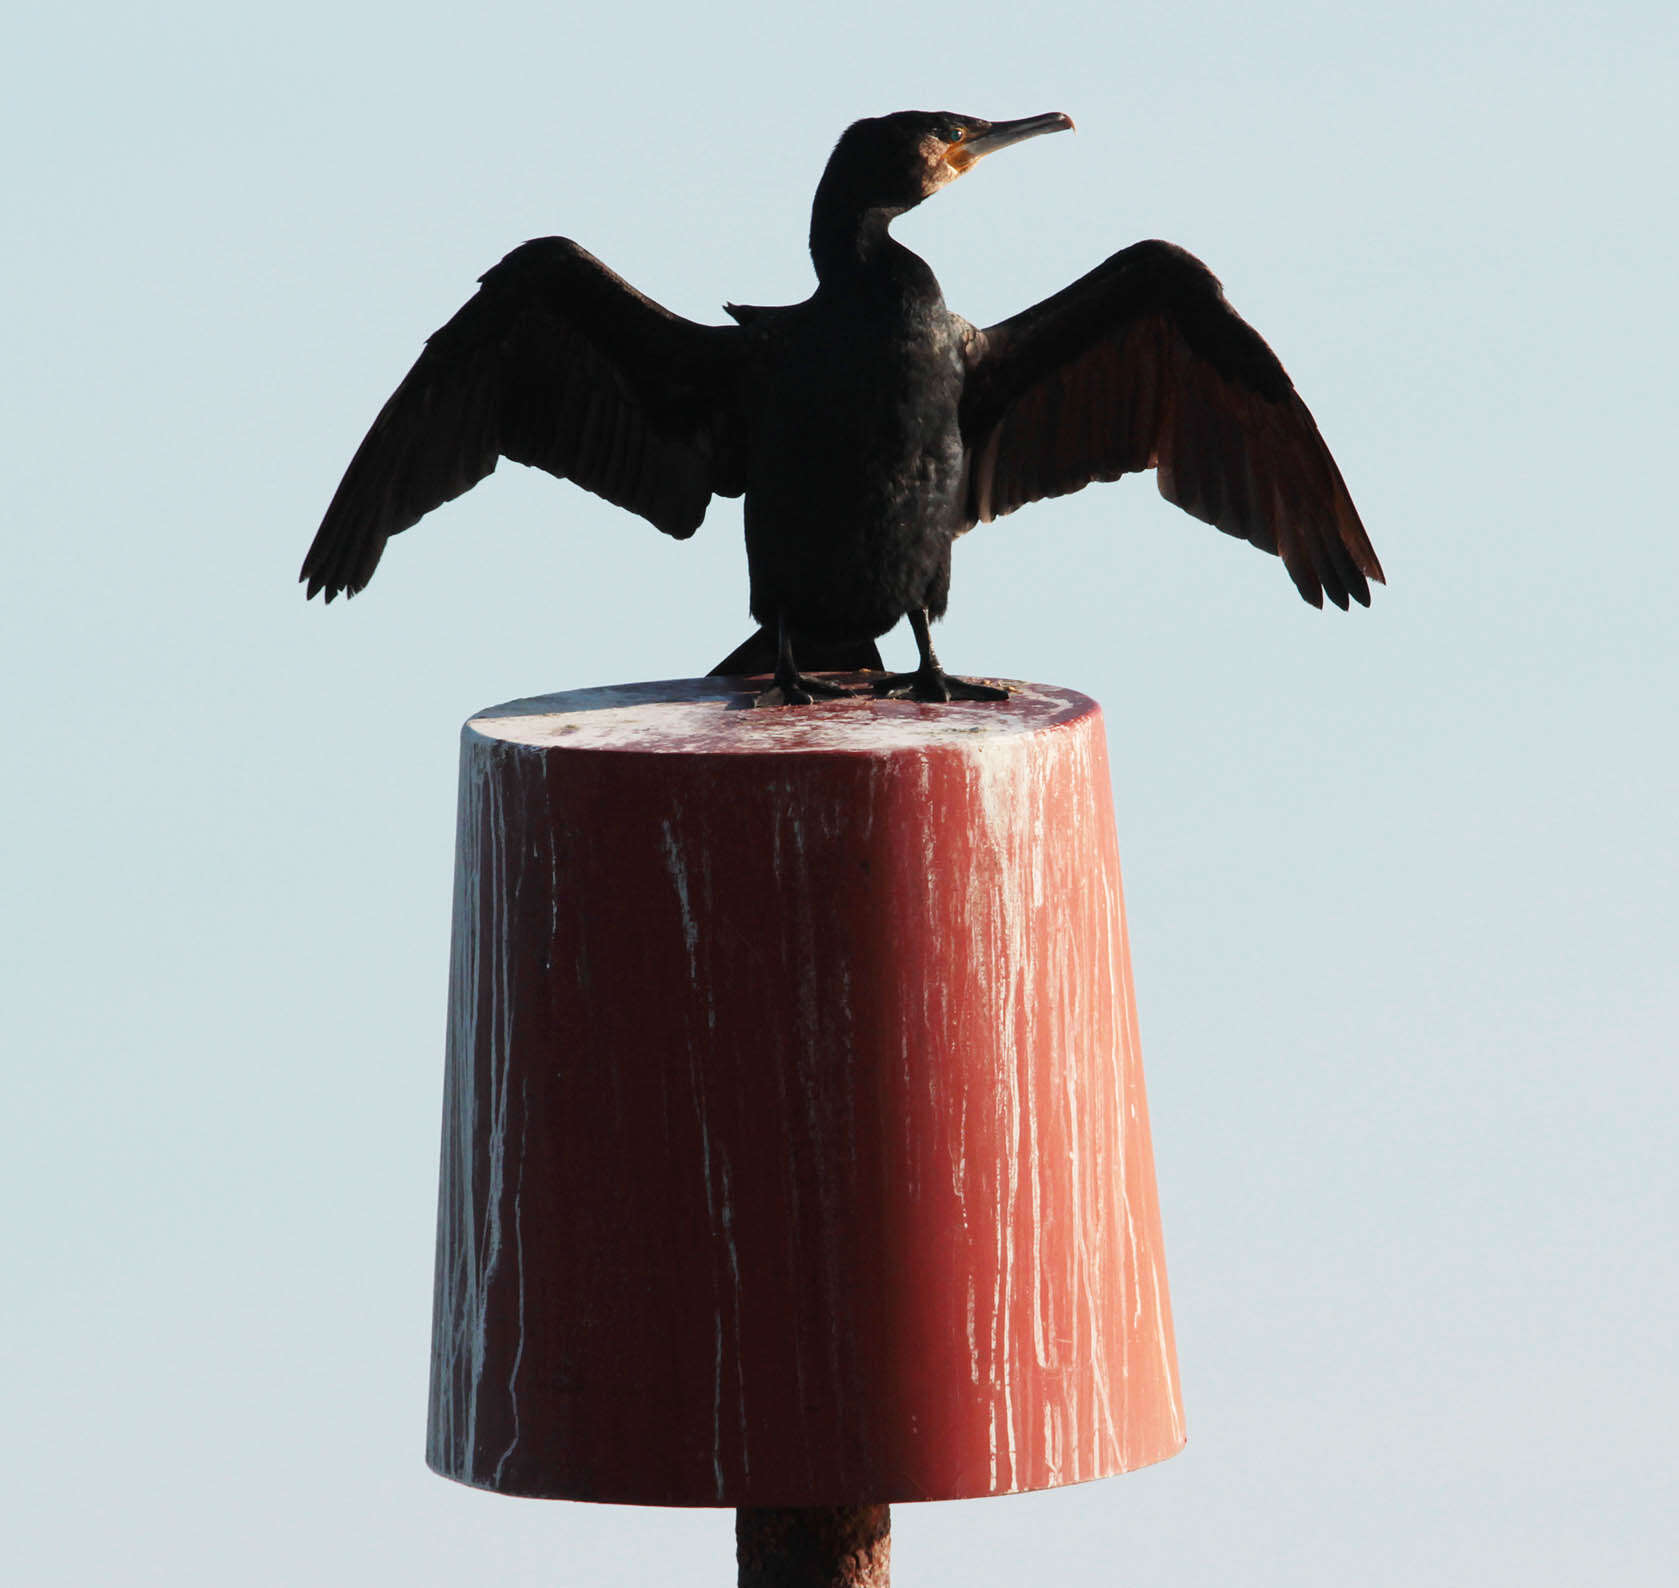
(868, 426)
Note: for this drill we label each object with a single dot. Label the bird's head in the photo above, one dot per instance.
(892, 163)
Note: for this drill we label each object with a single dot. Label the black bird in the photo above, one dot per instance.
(868, 426)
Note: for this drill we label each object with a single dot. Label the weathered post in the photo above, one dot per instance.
(795, 1151)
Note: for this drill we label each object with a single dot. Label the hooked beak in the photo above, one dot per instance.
(989, 137)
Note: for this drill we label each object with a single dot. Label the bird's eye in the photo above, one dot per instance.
(953, 132)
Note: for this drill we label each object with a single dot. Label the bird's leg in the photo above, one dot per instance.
(791, 687)
(930, 681)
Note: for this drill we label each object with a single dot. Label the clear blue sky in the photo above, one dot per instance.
(1402, 883)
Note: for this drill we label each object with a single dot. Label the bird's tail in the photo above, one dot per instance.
(758, 654)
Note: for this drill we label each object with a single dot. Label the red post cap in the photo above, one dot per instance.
(795, 1150)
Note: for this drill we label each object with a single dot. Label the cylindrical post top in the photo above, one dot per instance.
(795, 1145)
(704, 716)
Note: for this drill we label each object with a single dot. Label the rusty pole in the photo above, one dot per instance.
(823, 1546)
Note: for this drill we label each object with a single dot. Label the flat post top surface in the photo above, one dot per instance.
(708, 716)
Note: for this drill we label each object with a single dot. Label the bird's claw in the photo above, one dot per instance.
(800, 689)
(936, 687)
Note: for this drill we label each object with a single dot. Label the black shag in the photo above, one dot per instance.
(866, 427)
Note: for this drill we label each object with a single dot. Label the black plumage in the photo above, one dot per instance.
(868, 426)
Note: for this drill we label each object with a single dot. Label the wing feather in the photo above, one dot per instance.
(559, 364)
(1143, 364)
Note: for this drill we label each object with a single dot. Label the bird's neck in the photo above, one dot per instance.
(853, 251)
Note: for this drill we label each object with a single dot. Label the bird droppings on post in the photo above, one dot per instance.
(693, 722)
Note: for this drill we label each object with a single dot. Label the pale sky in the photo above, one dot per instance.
(1401, 882)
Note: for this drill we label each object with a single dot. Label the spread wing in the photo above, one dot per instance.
(1142, 364)
(558, 363)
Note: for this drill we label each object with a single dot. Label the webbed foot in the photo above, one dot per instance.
(935, 686)
(930, 682)
(791, 687)
(799, 689)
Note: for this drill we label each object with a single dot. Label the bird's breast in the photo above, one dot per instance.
(853, 486)
(865, 411)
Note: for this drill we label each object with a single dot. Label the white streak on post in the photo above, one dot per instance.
(678, 869)
(519, 1266)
